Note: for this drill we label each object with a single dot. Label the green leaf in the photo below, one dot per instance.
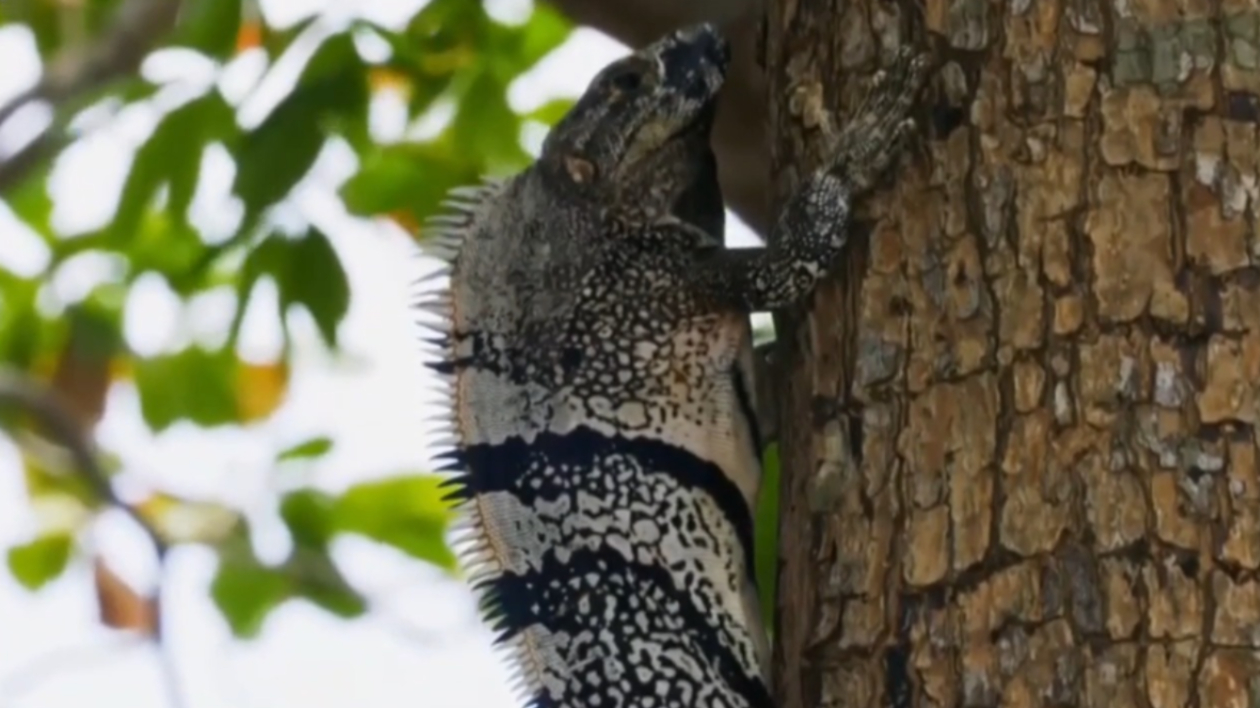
(425, 90)
(385, 182)
(32, 203)
(171, 247)
(20, 324)
(47, 478)
(95, 329)
(318, 580)
(430, 78)
(444, 24)
(209, 26)
(546, 29)
(275, 156)
(308, 514)
(341, 601)
(307, 272)
(276, 41)
(414, 177)
(194, 384)
(172, 153)
(278, 153)
(42, 17)
(486, 124)
(510, 51)
(307, 449)
(766, 525)
(266, 258)
(552, 111)
(245, 591)
(335, 59)
(407, 513)
(316, 281)
(41, 561)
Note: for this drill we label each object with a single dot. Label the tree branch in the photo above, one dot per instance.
(16, 168)
(78, 70)
(21, 394)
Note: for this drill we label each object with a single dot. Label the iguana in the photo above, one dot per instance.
(594, 338)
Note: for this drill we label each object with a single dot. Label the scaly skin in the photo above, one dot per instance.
(595, 338)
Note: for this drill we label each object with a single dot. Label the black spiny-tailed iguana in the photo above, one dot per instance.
(596, 342)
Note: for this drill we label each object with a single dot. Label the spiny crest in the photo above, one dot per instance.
(444, 235)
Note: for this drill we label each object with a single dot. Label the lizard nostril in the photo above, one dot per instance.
(708, 43)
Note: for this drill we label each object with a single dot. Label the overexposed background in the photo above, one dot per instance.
(426, 646)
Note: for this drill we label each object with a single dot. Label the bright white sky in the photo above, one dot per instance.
(427, 648)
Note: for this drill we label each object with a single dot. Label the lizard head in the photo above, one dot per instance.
(642, 126)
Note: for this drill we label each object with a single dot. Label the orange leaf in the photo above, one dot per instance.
(260, 389)
(43, 364)
(120, 606)
(405, 219)
(122, 369)
(380, 78)
(248, 36)
(82, 373)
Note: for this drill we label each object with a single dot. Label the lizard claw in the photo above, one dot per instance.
(875, 136)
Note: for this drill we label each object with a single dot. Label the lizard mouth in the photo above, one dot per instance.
(701, 124)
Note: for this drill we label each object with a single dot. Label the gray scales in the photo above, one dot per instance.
(592, 333)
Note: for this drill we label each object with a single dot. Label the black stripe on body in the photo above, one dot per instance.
(514, 466)
(599, 511)
(632, 635)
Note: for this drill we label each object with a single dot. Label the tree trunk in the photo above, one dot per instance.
(1028, 475)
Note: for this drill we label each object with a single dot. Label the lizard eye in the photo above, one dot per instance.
(626, 79)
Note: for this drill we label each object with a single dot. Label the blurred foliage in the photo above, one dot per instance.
(452, 56)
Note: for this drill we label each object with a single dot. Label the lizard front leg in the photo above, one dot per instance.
(813, 226)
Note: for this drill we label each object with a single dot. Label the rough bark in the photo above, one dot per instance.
(1019, 448)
